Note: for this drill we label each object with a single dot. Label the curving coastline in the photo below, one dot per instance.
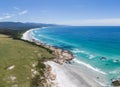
(60, 55)
(63, 75)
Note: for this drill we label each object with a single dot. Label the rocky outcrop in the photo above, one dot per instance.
(50, 77)
(116, 82)
(60, 55)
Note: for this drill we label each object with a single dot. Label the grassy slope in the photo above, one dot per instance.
(22, 55)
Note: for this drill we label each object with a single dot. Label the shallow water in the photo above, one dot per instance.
(97, 48)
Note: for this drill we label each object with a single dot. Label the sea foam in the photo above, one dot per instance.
(89, 66)
(77, 51)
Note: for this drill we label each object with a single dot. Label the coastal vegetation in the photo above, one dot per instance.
(16, 29)
(21, 62)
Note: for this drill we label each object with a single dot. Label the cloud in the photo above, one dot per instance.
(16, 8)
(5, 17)
(23, 12)
(17, 13)
(8, 16)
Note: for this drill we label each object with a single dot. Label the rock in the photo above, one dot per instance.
(34, 72)
(116, 61)
(52, 77)
(116, 82)
(11, 67)
(33, 65)
(103, 58)
(12, 78)
(49, 68)
(60, 55)
(97, 77)
(106, 64)
(60, 61)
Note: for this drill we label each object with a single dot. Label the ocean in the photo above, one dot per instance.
(97, 47)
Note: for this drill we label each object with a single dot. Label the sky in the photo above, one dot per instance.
(67, 12)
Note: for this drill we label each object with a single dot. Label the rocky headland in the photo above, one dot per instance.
(56, 69)
(60, 56)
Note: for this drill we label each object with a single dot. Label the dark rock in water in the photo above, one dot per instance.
(106, 64)
(97, 77)
(116, 82)
(69, 62)
(103, 58)
(116, 60)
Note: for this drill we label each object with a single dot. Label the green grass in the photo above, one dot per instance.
(22, 55)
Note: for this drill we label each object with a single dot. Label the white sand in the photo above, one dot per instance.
(70, 75)
(26, 35)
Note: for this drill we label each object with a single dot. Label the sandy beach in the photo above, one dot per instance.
(71, 75)
(26, 35)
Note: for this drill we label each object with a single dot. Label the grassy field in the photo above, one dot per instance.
(18, 60)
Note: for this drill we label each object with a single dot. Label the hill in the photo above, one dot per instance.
(19, 61)
(22, 26)
(15, 29)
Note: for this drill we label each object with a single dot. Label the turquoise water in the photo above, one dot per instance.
(96, 47)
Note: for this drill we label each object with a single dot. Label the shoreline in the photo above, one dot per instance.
(64, 73)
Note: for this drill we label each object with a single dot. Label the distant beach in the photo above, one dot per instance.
(72, 75)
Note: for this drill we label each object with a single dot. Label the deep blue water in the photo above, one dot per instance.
(96, 46)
